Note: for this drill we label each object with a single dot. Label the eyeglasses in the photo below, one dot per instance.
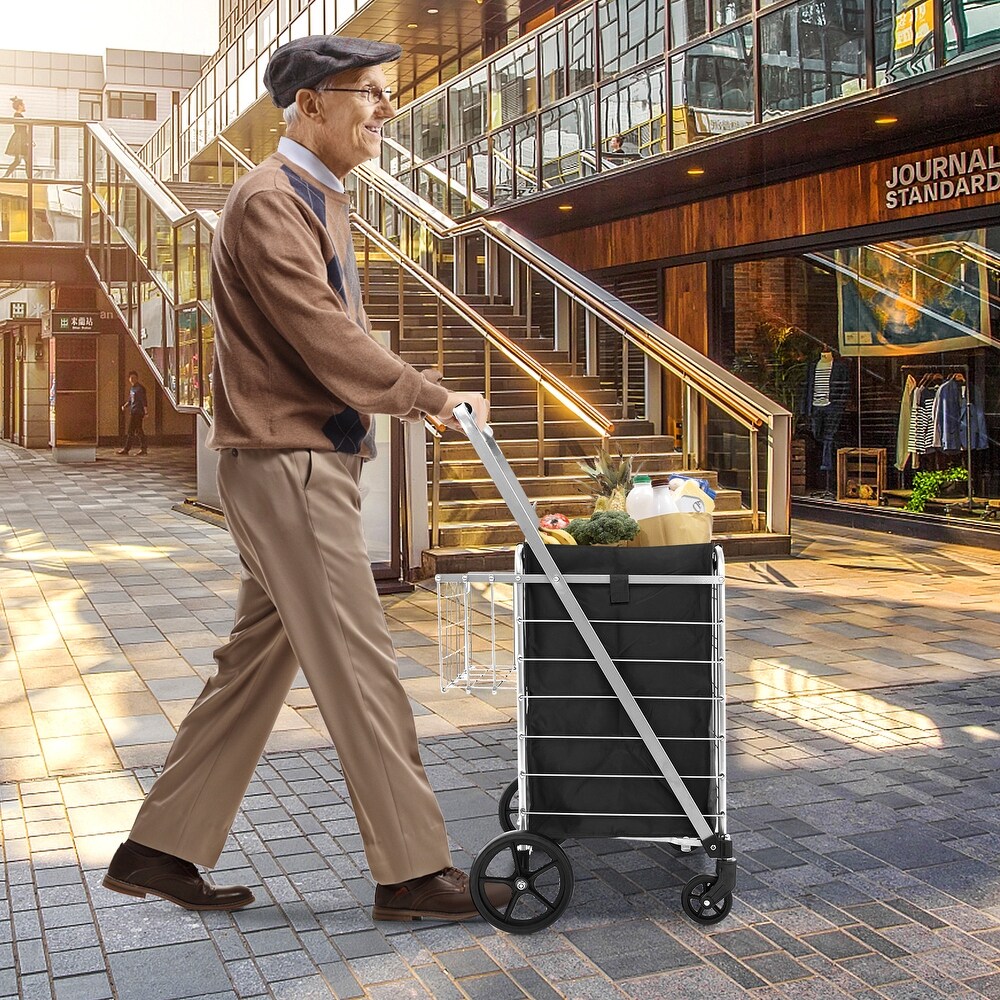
(373, 95)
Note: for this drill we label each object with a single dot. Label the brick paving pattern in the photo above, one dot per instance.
(864, 687)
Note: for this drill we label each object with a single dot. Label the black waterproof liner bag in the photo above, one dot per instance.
(589, 772)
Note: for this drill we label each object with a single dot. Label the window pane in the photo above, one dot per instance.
(812, 52)
(468, 108)
(904, 39)
(727, 11)
(429, 135)
(632, 117)
(207, 354)
(568, 151)
(712, 87)
(687, 20)
(57, 213)
(552, 51)
(970, 25)
(394, 159)
(631, 33)
(503, 167)
(580, 31)
(526, 174)
(513, 85)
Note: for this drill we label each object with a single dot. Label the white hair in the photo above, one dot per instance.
(290, 114)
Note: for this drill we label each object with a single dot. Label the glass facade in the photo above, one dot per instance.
(888, 354)
(649, 77)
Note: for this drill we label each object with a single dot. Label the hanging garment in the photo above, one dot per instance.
(924, 423)
(903, 444)
(951, 418)
(821, 382)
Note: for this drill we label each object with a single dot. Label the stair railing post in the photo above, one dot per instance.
(436, 491)
(368, 284)
(653, 392)
(459, 277)
(625, 374)
(440, 337)
(486, 368)
(515, 285)
(541, 429)
(692, 451)
(527, 301)
(754, 481)
(562, 316)
(590, 340)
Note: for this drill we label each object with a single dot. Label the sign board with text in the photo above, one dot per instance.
(76, 322)
(19, 310)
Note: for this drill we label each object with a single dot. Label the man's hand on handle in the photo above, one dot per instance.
(480, 409)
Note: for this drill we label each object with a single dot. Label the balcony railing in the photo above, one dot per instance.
(152, 258)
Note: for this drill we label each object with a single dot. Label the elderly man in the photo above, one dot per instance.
(296, 378)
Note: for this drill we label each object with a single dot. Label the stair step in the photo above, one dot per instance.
(551, 485)
(455, 448)
(500, 558)
(496, 532)
(527, 468)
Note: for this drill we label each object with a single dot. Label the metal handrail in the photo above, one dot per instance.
(699, 376)
(756, 409)
(584, 411)
(240, 157)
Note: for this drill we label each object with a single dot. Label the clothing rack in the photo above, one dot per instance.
(964, 370)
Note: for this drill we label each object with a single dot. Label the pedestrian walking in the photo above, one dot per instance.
(137, 407)
(296, 379)
(18, 143)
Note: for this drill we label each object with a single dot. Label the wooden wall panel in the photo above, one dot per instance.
(686, 317)
(845, 198)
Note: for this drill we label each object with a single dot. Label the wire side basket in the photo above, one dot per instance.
(476, 631)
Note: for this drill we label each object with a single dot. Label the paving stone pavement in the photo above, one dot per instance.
(864, 687)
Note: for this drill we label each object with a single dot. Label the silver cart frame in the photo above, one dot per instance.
(716, 842)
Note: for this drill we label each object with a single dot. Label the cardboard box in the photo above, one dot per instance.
(693, 528)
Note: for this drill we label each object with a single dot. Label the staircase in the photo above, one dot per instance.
(196, 194)
(476, 529)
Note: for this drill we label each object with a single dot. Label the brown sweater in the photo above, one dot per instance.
(295, 365)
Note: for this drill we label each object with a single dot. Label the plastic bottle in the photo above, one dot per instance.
(640, 501)
(666, 502)
(689, 495)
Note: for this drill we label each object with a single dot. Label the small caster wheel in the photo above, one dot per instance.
(521, 882)
(709, 913)
(508, 807)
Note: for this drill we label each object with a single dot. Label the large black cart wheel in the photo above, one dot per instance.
(704, 911)
(508, 807)
(521, 882)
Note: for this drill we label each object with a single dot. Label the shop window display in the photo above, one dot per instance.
(888, 355)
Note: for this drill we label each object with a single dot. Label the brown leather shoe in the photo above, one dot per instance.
(175, 879)
(441, 895)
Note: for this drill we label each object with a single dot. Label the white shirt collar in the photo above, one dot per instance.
(309, 162)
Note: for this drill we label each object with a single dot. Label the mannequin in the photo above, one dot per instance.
(827, 387)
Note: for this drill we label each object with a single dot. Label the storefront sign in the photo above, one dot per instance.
(19, 310)
(75, 322)
(973, 171)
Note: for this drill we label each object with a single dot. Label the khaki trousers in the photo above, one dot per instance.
(307, 598)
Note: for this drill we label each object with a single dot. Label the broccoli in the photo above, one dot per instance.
(603, 528)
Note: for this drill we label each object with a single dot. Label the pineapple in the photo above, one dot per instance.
(610, 480)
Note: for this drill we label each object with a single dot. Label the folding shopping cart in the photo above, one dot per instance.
(619, 660)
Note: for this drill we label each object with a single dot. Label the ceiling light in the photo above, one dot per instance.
(272, 130)
(565, 208)
(696, 171)
(413, 24)
(886, 120)
(432, 10)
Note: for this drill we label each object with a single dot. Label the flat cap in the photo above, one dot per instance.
(304, 62)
